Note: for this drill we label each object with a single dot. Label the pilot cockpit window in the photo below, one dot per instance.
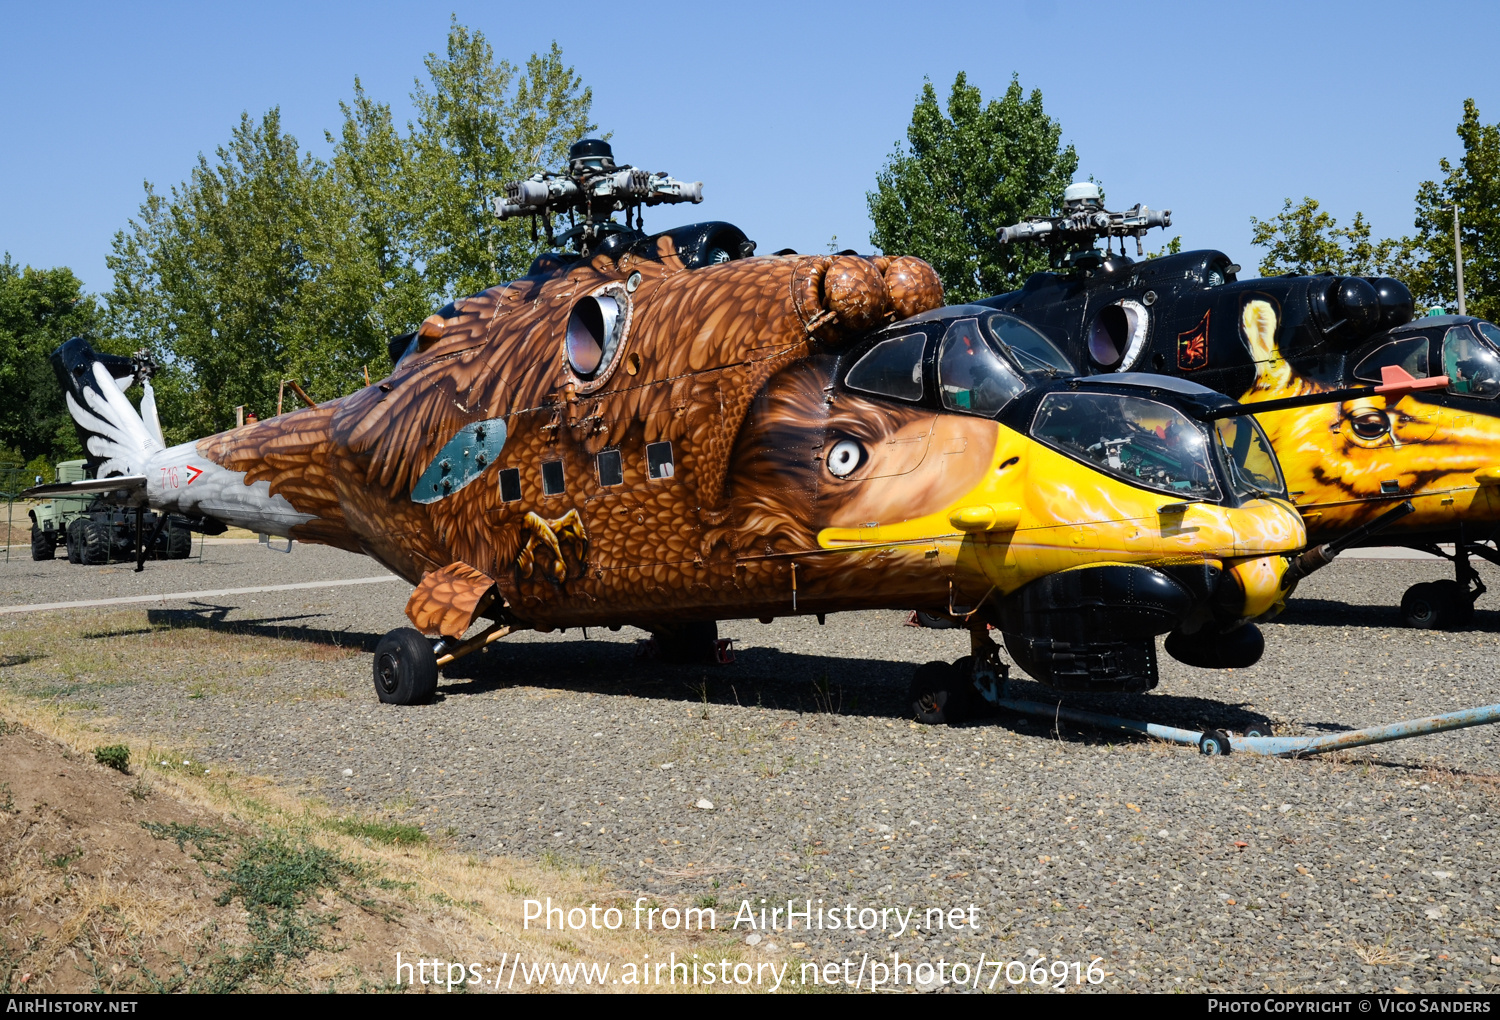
(1490, 333)
(972, 376)
(1253, 470)
(1473, 369)
(892, 368)
(1409, 354)
(1034, 351)
(1143, 442)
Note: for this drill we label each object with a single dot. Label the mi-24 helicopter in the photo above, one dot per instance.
(665, 431)
(1303, 350)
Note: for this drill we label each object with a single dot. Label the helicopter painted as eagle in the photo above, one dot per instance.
(665, 431)
(1348, 454)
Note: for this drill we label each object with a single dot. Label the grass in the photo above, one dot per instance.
(389, 833)
(309, 895)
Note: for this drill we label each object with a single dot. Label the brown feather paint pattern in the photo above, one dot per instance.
(700, 347)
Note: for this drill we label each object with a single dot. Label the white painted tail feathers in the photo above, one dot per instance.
(120, 438)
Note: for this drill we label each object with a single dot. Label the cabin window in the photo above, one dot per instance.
(552, 478)
(892, 368)
(973, 377)
(510, 485)
(1473, 369)
(610, 470)
(1408, 354)
(659, 460)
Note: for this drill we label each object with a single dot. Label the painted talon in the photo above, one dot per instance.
(568, 527)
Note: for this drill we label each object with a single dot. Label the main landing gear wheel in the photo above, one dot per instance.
(688, 643)
(1435, 605)
(943, 693)
(406, 671)
(43, 546)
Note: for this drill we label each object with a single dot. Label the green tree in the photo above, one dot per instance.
(1474, 184)
(965, 174)
(39, 309)
(479, 124)
(1304, 239)
(268, 263)
(249, 272)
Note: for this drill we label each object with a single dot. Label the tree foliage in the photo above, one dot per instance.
(1474, 184)
(1305, 239)
(268, 263)
(39, 309)
(964, 174)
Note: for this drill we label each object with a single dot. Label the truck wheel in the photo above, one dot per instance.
(179, 542)
(43, 544)
(405, 669)
(96, 541)
(75, 540)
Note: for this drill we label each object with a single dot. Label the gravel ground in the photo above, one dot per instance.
(1372, 870)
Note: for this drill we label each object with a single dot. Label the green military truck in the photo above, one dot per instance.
(94, 532)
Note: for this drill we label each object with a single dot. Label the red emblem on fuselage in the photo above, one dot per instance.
(1192, 347)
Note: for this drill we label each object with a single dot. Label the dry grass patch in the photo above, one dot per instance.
(234, 882)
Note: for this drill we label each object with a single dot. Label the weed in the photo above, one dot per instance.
(141, 789)
(211, 843)
(116, 756)
(280, 872)
(7, 799)
(7, 727)
(391, 833)
(707, 902)
(61, 861)
(828, 701)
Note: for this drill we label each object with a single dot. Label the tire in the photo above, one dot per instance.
(940, 694)
(74, 536)
(1428, 606)
(688, 643)
(1214, 743)
(1260, 730)
(179, 541)
(43, 544)
(96, 538)
(405, 669)
(1460, 607)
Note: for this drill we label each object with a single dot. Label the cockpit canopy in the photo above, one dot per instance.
(1466, 350)
(975, 358)
(1155, 446)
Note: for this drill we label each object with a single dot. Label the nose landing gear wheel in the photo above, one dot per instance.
(405, 668)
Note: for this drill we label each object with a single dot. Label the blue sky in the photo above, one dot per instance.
(785, 111)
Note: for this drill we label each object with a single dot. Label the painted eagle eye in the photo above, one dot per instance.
(845, 457)
(1370, 424)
